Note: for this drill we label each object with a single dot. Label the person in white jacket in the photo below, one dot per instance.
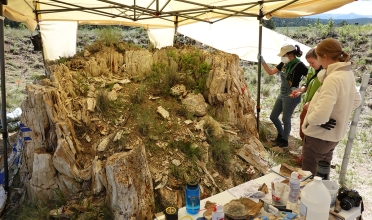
(326, 121)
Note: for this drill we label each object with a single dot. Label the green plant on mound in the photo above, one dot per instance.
(264, 132)
(29, 211)
(221, 155)
(183, 112)
(109, 36)
(144, 119)
(195, 67)
(138, 96)
(172, 53)
(178, 172)
(63, 60)
(103, 101)
(186, 147)
(156, 79)
(219, 112)
(82, 83)
(111, 109)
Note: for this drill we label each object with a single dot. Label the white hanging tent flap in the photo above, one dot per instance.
(59, 38)
(240, 36)
(161, 37)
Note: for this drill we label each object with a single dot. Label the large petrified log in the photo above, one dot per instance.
(72, 145)
(130, 184)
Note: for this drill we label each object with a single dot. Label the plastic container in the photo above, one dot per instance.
(280, 194)
(332, 189)
(323, 169)
(294, 191)
(192, 198)
(171, 213)
(315, 200)
(218, 214)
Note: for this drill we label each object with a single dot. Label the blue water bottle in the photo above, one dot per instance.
(192, 198)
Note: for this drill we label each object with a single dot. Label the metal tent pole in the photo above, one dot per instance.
(260, 16)
(353, 126)
(175, 29)
(3, 98)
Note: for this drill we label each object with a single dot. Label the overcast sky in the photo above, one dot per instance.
(361, 7)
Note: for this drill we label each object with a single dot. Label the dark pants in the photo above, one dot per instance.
(314, 150)
(302, 117)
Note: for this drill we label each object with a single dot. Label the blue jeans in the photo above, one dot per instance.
(287, 105)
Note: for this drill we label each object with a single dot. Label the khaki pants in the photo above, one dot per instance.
(314, 150)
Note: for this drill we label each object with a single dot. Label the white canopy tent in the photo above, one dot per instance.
(160, 13)
(238, 36)
(152, 14)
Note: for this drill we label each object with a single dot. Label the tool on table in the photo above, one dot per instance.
(270, 208)
(336, 215)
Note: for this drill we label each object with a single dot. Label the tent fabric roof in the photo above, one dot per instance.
(239, 36)
(160, 13)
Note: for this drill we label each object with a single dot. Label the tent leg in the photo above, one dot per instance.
(3, 99)
(350, 140)
(259, 68)
(175, 30)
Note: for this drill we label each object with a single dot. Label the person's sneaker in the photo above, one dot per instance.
(278, 138)
(281, 143)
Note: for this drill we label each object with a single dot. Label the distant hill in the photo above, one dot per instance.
(305, 21)
(339, 16)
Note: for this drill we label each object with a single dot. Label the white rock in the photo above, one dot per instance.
(164, 113)
(118, 135)
(96, 182)
(91, 104)
(87, 138)
(178, 90)
(176, 162)
(117, 87)
(124, 81)
(103, 145)
(112, 95)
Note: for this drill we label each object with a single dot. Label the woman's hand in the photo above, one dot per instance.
(295, 94)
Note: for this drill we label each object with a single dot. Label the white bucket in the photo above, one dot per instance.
(332, 188)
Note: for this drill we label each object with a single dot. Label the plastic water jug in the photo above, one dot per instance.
(193, 198)
(315, 200)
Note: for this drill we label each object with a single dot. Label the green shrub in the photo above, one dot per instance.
(193, 65)
(186, 147)
(221, 155)
(109, 36)
(144, 120)
(102, 101)
(183, 112)
(138, 96)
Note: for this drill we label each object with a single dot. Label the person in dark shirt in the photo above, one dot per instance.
(291, 71)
